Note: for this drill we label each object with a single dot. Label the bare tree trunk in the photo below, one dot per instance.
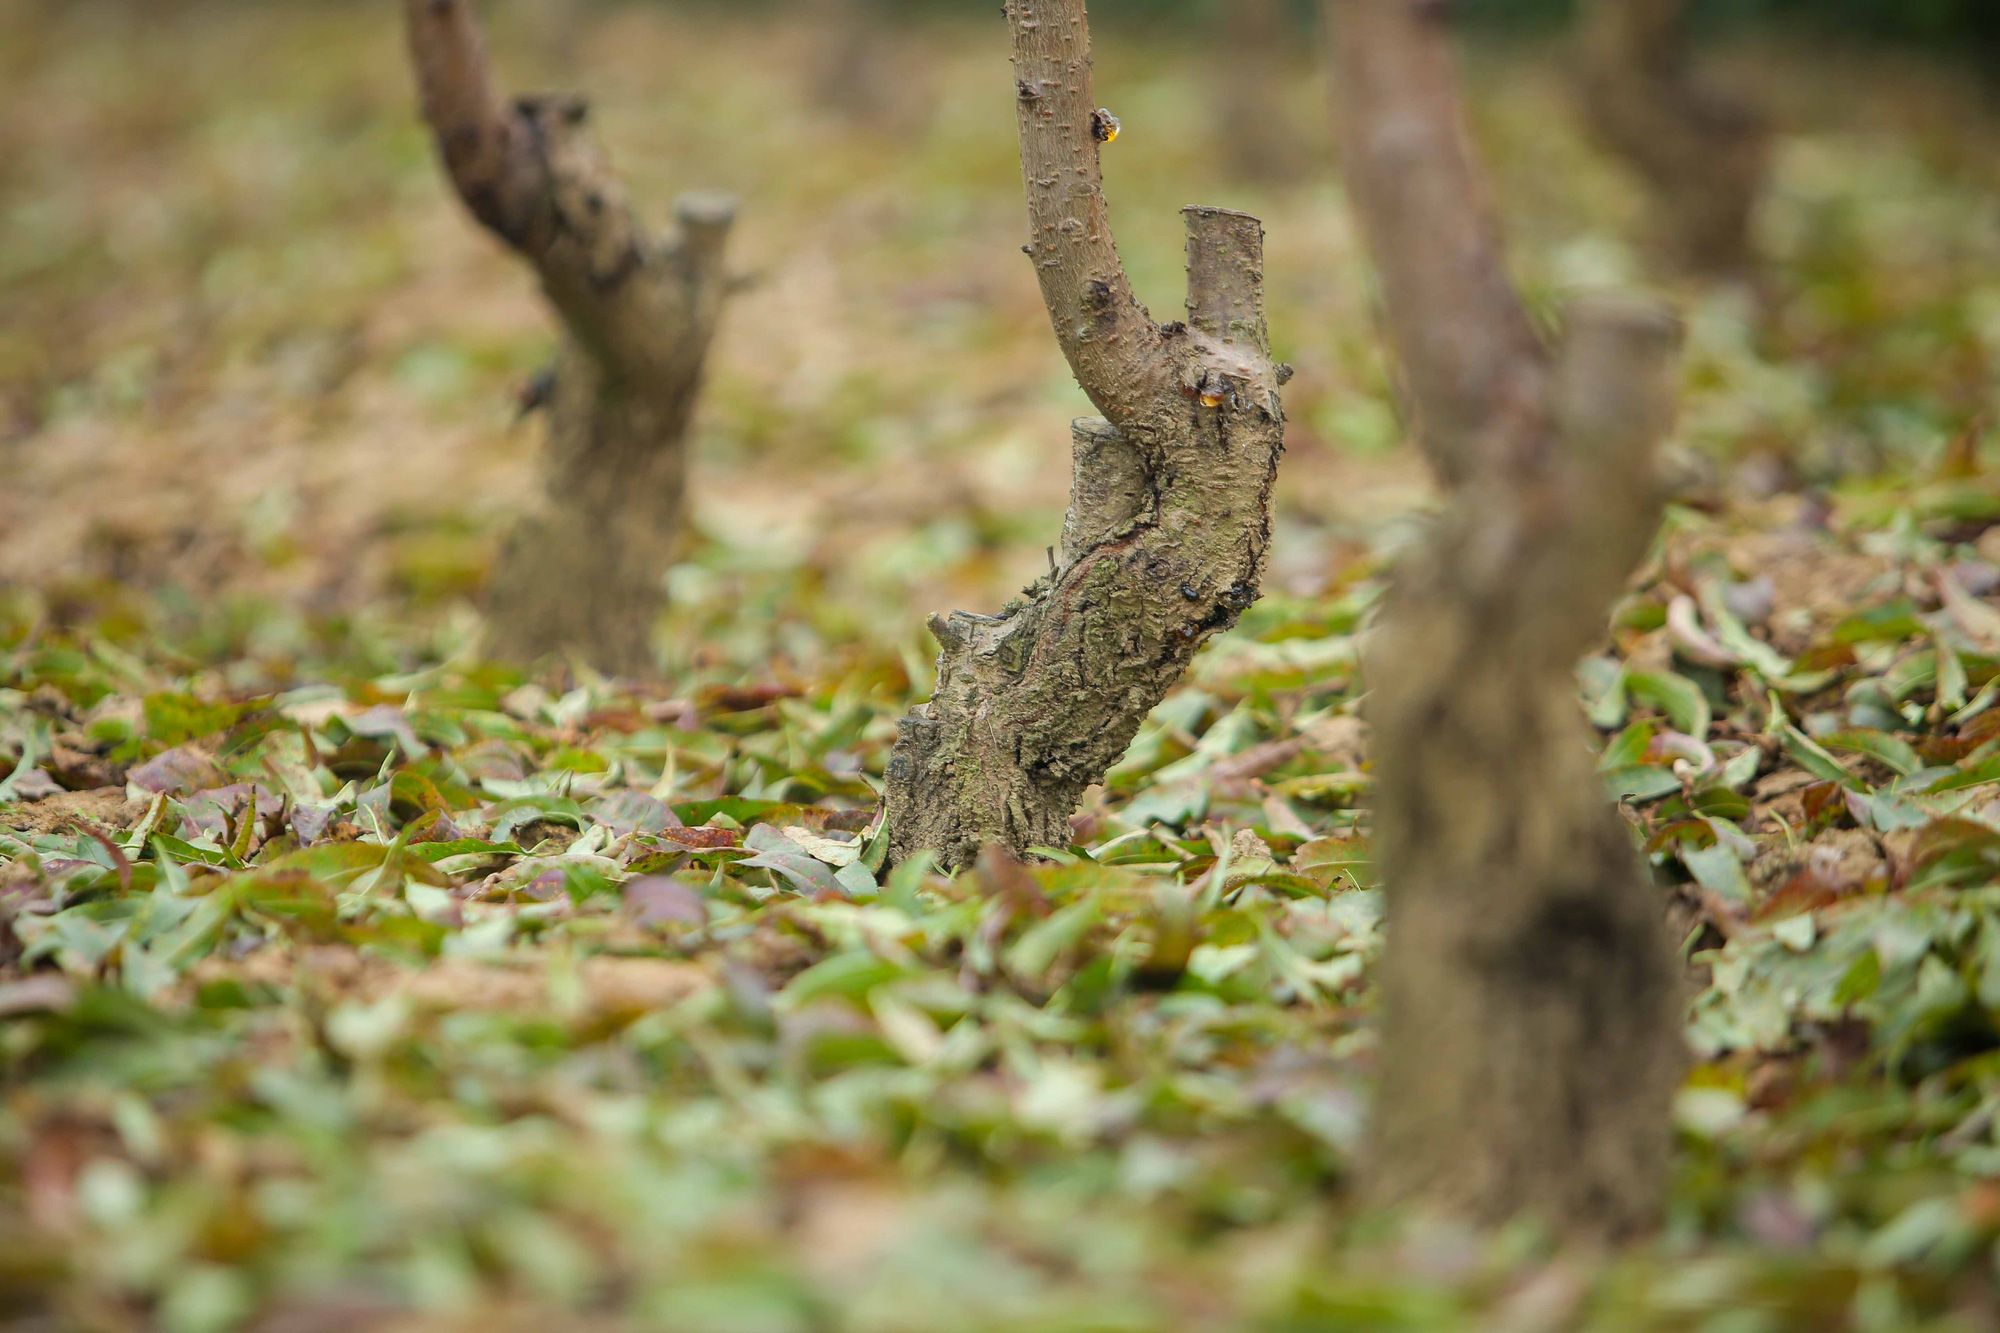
(1532, 1039)
(1704, 153)
(846, 66)
(861, 69)
(1169, 508)
(583, 572)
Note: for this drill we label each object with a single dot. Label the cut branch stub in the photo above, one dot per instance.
(1225, 277)
(1531, 1039)
(477, 138)
(582, 573)
(1170, 493)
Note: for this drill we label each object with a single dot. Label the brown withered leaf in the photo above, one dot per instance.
(81, 769)
(658, 900)
(183, 769)
(43, 993)
(1002, 876)
(700, 838)
(743, 698)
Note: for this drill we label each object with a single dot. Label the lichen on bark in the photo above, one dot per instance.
(1164, 544)
(582, 571)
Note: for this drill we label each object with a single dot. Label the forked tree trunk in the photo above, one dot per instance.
(1704, 153)
(1169, 504)
(582, 573)
(1531, 1043)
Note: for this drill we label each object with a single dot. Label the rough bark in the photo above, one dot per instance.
(1169, 508)
(1704, 152)
(582, 573)
(1531, 1042)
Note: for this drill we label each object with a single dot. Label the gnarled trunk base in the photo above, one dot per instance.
(1170, 499)
(584, 568)
(1163, 546)
(1531, 1033)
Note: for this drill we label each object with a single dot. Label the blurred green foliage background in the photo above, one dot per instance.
(1944, 23)
(1932, 21)
(1965, 27)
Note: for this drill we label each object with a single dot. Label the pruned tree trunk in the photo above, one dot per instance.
(1531, 1043)
(1169, 507)
(582, 573)
(1705, 153)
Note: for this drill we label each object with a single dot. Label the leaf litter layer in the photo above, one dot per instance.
(439, 988)
(349, 983)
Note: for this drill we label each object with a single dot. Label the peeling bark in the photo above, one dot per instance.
(583, 572)
(1169, 514)
(1531, 1043)
(1704, 152)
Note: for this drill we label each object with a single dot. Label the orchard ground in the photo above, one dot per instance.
(350, 982)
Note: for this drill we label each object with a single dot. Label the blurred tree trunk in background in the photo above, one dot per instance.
(860, 68)
(1170, 496)
(1258, 140)
(1704, 153)
(1532, 1038)
(583, 572)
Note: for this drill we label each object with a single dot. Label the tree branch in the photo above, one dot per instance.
(477, 135)
(1613, 402)
(1108, 337)
(533, 178)
(1110, 490)
(1470, 356)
